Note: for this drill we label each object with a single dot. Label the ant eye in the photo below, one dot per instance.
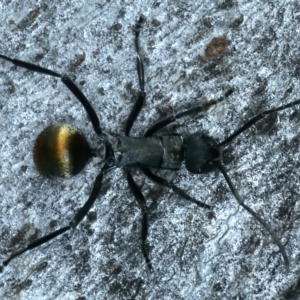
(61, 150)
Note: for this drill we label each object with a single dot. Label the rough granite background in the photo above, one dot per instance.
(195, 255)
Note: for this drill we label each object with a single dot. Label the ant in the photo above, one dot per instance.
(62, 150)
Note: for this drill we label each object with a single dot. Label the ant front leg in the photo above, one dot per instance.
(67, 82)
(140, 70)
(201, 109)
(178, 191)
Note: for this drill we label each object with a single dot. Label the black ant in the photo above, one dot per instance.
(62, 150)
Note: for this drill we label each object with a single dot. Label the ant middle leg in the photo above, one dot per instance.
(142, 203)
(140, 70)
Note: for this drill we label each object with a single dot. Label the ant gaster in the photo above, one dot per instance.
(62, 150)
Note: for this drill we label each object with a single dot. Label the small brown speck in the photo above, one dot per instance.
(216, 48)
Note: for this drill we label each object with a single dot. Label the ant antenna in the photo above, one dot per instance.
(254, 214)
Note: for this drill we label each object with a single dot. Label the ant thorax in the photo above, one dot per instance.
(166, 152)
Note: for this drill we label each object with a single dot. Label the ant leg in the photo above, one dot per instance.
(140, 70)
(67, 82)
(142, 203)
(196, 110)
(37, 243)
(163, 182)
(254, 214)
(255, 119)
(82, 212)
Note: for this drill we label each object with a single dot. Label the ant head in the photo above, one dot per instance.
(201, 153)
(61, 150)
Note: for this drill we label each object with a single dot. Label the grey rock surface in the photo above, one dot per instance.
(195, 255)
